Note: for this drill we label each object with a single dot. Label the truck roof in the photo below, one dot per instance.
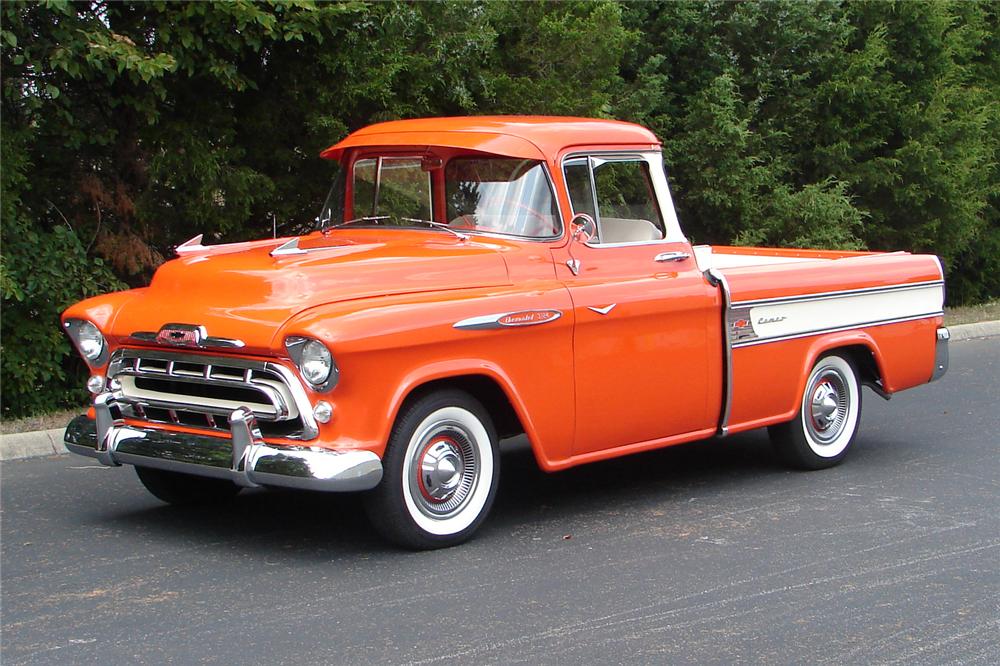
(528, 137)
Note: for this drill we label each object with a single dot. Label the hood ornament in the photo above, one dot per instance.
(288, 247)
(190, 246)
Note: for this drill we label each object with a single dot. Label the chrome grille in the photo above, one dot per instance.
(201, 391)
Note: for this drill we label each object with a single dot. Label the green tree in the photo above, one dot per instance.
(128, 127)
(131, 126)
(729, 86)
(837, 124)
(556, 58)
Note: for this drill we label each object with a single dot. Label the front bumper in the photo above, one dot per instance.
(243, 457)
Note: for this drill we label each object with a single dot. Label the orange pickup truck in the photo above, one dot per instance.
(473, 279)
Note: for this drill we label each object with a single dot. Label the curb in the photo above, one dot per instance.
(981, 329)
(32, 444)
(50, 442)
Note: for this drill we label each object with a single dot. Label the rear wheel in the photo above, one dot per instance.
(440, 473)
(826, 425)
(177, 488)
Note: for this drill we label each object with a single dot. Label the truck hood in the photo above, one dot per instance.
(241, 292)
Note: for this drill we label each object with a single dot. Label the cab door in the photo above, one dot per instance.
(645, 339)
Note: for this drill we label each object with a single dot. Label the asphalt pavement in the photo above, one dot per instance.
(708, 553)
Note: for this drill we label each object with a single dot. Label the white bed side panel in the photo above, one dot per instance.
(806, 315)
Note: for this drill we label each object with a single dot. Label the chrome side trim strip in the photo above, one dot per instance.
(850, 327)
(516, 319)
(717, 279)
(836, 294)
(483, 322)
(243, 458)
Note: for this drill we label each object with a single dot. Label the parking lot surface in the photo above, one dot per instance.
(705, 553)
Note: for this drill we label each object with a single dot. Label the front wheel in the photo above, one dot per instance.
(440, 473)
(826, 425)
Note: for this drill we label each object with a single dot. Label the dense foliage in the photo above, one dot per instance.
(128, 127)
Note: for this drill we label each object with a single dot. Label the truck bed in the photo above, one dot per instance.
(755, 273)
(725, 256)
(787, 305)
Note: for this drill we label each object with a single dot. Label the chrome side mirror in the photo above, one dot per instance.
(584, 228)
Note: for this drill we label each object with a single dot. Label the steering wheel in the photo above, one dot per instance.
(539, 223)
(543, 224)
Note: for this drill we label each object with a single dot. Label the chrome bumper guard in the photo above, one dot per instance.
(244, 459)
(941, 354)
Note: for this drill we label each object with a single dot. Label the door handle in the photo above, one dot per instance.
(672, 256)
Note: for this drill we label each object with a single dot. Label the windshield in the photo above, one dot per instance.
(490, 194)
(394, 186)
(500, 195)
(333, 208)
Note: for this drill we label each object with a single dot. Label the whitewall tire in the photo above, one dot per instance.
(440, 472)
(826, 424)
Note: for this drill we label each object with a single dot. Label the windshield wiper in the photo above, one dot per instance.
(366, 218)
(435, 225)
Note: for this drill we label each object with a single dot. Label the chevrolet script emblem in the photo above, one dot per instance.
(180, 335)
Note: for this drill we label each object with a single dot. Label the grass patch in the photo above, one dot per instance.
(48, 421)
(970, 314)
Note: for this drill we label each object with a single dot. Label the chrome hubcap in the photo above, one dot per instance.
(824, 406)
(444, 469)
(440, 470)
(829, 406)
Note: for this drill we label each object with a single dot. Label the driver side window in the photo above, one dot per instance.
(618, 193)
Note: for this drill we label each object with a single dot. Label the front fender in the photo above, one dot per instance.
(388, 347)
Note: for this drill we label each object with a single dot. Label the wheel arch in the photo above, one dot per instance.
(488, 384)
(860, 349)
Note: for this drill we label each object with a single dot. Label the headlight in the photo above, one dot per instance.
(88, 340)
(91, 341)
(314, 361)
